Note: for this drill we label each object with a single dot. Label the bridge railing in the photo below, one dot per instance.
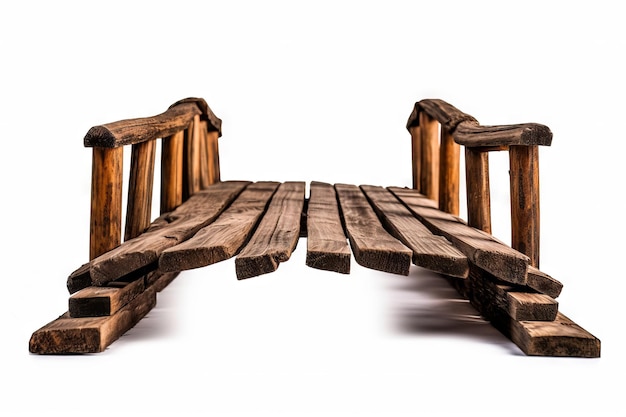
(189, 133)
(438, 130)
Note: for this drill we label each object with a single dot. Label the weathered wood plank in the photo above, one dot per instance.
(470, 134)
(79, 279)
(103, 301)
(277, 234)
(372, 246)
(90, 334)
(327, 244)
(543, 283)
(160, 280)
(481, 248)
(168, 230)
(486, 293)
(429, 250)
(223, 238)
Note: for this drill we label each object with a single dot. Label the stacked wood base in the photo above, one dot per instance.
(260, 223)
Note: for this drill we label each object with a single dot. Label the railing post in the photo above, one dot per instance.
(524, 174)
(214, 157)
(191, 164)
(172, 171)
(416, 147)
(429, 156)
(139, 208)
(105, 230)
(477, 186)
(449, 177)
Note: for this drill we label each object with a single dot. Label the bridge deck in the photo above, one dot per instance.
(260, 223)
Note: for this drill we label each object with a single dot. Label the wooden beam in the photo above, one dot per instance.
(277, 234)
(103, 301)
(372, 246)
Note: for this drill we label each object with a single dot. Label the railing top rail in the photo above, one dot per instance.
(468, 132)
(133, 131)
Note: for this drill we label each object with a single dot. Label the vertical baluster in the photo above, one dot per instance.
(191, 162)
(524, 171)
(214, 157)
(139, 209)
(429, 156)
(416, 146)
(477, 185)
(204, 156)
(106, 200)
(172, 171)
(449, 175)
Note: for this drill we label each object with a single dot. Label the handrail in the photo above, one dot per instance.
(438, 128)
(134, 131)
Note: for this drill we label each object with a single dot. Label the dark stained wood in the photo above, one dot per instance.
(429, 251)
(168, 230)
(471, 134)
(416, 148)
(172, 171)
(449, 174)
(90, 334)
(524, 176)
(446, 114)
(223, 238)
(79, 279)
(372, 246)
(160, 280)
(103, 301)
(131, 131)
(106, 200)
(481, 248)
(429, 156)
(487, 293)
(139, 206)
(543, 283)
(477, 189)
(327, 244)
(277, 234)
(561, 337)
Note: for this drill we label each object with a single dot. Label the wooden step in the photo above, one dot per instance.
(327, 244)
(277, 234)
(429, 250)
(372, 246)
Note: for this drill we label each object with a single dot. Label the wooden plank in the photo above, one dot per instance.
(103, 301)
(277, 234)
(168, 230)
(327, 244)
(372, 246)
(481, 248)
(429, 250)
(90, 334)
(172, 171)
(223, 238)
(160, 280)
(543, 283)
(79, 279)
(487, 294)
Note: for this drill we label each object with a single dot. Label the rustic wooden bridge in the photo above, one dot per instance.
(205, 220)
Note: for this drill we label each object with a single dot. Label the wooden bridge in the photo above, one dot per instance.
(205, 220)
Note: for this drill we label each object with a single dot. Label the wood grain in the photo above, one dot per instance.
(372, 246)
(543, 283)
(525, 216)
(429, 250)
(416, 148)
(470, 134)
(481, 248)
(103, 301)
(478, 193)
(90, 334)
(166, 231)
(172, 171)
(429, 156)
(277, 234)
(449, 174)
(105, 231)
(223, 238)
(327, 244)
(139, 206)
(445, 113)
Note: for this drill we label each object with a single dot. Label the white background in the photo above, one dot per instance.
(312, 91)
